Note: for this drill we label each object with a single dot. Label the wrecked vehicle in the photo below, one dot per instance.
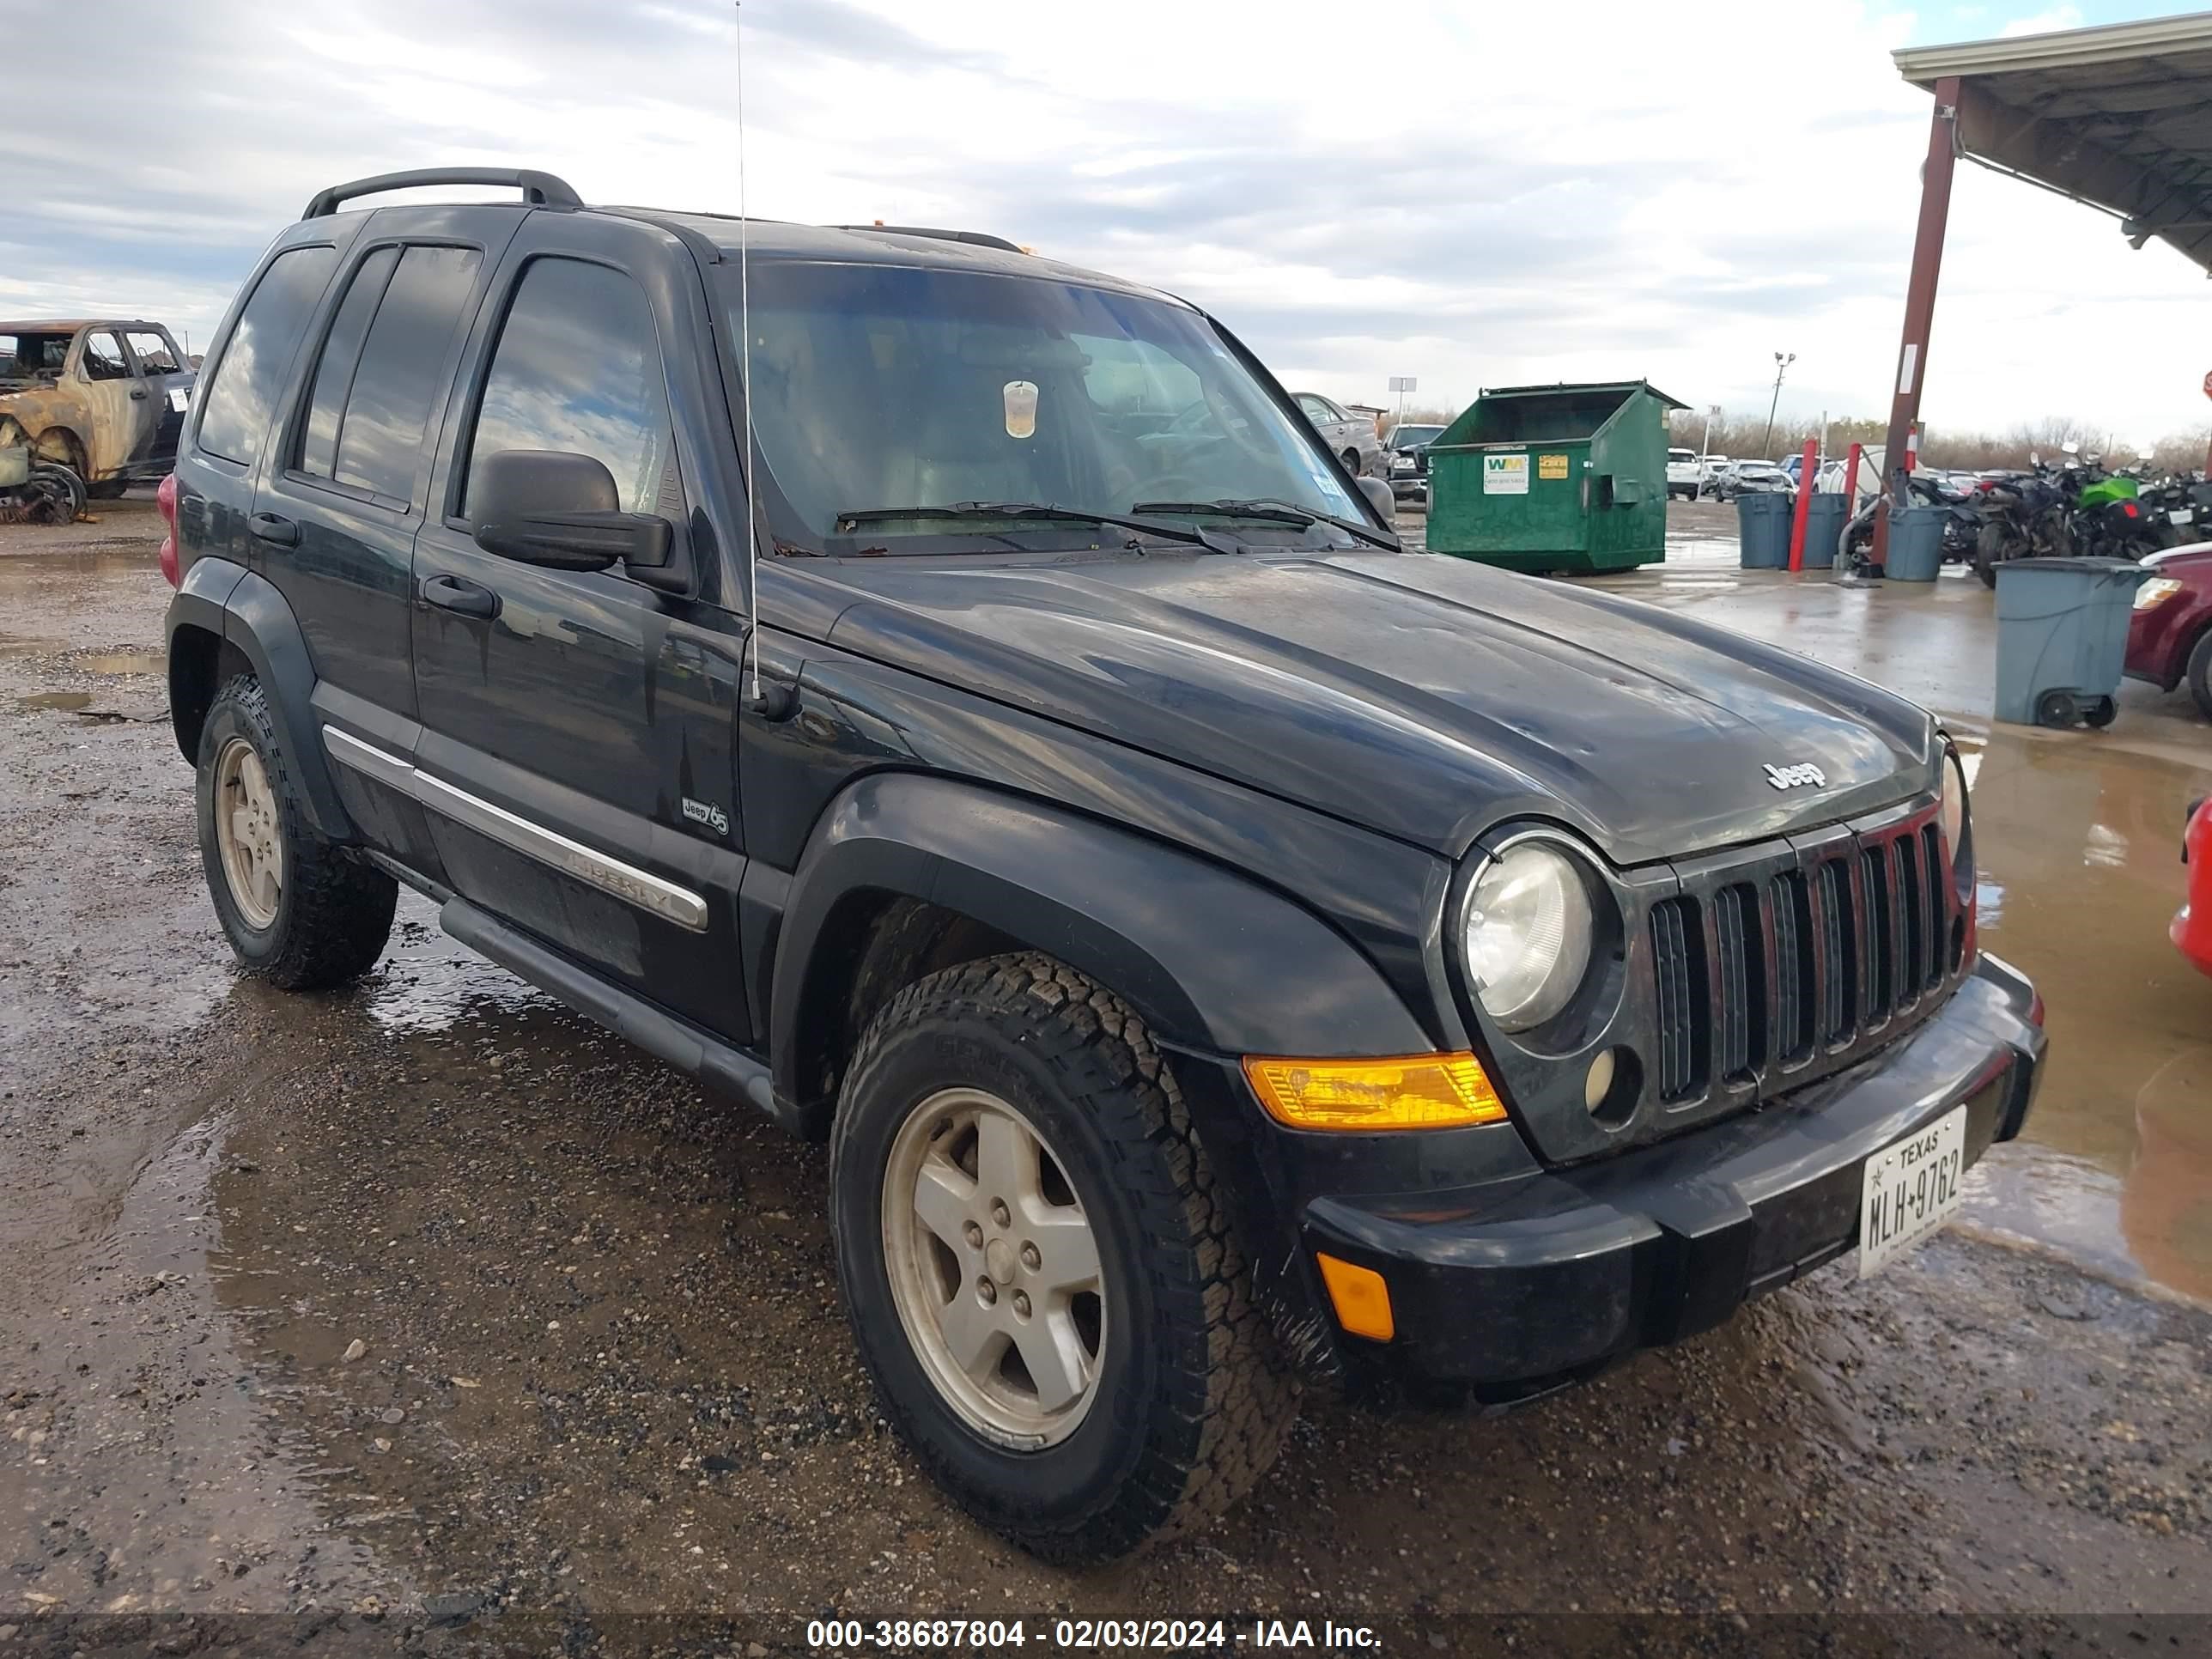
(103, 397)
(1212, 942)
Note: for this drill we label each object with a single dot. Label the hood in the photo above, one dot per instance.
(1420, 696)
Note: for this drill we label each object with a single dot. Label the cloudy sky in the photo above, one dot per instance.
(1478, 193)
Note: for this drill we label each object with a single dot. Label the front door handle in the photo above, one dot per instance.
(138, 392)
(268, 528)
(466, 599)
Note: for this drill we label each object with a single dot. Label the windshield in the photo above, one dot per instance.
(1406, 436)
(882, 386)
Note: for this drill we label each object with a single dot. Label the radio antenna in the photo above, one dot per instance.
(745, 364)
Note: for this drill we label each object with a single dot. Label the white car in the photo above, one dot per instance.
(1685, 474)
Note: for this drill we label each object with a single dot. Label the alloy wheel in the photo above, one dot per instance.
(993, 1268)
(247, 834)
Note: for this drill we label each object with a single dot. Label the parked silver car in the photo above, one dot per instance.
(1350, 437)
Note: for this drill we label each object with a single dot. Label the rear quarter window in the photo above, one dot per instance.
(235, 408)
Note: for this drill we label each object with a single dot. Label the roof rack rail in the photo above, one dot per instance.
(539, 189)
(977, 238)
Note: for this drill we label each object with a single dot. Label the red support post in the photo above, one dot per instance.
(1919, 303)
(1852, 481)
(1808, 474)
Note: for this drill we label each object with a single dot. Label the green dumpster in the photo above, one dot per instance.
(1554, 477)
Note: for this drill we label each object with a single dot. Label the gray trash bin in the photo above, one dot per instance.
(1916, 543)
(1824, 528)
(1762, 523)
(2062, 638)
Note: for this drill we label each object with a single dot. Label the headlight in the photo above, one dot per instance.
(1528, 934)
(1954, 806)
(2157, 590)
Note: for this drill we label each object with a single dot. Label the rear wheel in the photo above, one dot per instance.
(1991, 549)
(2101, 712)
(298, 911)
(107, 490)
(1350, 459)
(1037, 1266)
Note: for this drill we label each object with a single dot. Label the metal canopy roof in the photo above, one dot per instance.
(2118, 117)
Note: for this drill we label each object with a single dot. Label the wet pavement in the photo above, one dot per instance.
(599, 1369)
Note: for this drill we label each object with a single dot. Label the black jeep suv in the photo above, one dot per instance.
(953, 703)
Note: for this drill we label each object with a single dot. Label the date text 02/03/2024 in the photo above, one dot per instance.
(1159, 1635)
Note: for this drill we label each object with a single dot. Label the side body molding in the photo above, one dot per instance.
(1212, 961)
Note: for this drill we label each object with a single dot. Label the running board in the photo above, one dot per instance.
(696, 1053)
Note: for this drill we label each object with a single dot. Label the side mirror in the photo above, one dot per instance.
(549, 507)
(1379, 497)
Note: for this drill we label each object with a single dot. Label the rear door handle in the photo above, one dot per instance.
(467, 598)
(268, 528)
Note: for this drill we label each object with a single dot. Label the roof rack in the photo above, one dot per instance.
(976, 238)
(539, 189)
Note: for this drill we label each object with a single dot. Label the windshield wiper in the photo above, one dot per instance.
(1174, 532)
(1274, 512)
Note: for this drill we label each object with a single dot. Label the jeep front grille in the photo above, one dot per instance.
(1753, 976)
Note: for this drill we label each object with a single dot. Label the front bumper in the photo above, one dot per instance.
(1520, 1285)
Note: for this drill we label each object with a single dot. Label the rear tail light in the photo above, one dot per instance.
(2128, 508)
(166, 498)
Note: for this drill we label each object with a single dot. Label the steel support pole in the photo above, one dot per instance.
(1919, 304)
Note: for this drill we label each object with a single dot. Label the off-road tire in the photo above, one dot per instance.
(2198, 674)
(333, 915)
(1194, 1401)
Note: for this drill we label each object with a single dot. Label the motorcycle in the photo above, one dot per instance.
(1962, 524)
(32, 491)
(2109, 520)
(2175, 506)
(2026, 516)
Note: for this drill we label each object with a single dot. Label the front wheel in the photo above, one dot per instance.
(2198, 674)
(298, 913)
(1038, 1267)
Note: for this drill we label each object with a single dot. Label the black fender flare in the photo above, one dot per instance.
(1213, 960)
(244, 610)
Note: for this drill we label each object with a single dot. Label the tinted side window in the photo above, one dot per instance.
(577, 369)
(319, 446)
(234, 409)
(103, 358)
(380, 434)
(153, 353)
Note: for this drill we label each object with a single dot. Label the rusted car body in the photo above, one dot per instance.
(103, 396)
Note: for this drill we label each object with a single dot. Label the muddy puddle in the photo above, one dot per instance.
(2079, 846)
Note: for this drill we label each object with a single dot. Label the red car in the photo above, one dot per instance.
(2192, 927)
(2170, 635)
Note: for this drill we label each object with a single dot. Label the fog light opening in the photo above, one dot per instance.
(1610, 1087)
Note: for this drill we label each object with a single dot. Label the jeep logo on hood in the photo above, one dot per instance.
(1792, 777)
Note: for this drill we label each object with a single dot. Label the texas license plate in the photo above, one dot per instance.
(1910, 1189)
(2182, 515)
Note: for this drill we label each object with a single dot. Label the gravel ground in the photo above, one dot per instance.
(428, 1317)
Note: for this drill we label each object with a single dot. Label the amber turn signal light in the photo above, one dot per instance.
(1411, 1092)
(1362, 1300)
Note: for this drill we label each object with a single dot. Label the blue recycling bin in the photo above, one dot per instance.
(2062, 638)
(1762, 523)
(1824, 528)
(1916, 543)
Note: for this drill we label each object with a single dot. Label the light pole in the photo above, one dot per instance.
(1781, 362)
